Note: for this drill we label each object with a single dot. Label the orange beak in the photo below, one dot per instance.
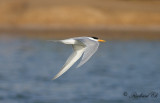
(101, 40)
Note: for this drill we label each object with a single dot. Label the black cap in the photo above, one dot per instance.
(94, 37)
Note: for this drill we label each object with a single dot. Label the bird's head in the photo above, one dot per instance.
(97, 39)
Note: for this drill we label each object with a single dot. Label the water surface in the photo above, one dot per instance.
(27, 67)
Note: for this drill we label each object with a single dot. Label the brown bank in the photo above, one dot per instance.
(112, 19)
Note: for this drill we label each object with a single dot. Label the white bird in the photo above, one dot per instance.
(81, 45)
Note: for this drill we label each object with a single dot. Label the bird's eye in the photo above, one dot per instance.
(94, 37)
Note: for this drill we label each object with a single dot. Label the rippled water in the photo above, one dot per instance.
(116, 72)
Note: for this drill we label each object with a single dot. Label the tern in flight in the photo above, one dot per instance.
(85, 46)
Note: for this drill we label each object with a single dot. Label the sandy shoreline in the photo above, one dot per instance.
(80, 12)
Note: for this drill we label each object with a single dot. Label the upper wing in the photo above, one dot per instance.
(78, 51)
(90, 49)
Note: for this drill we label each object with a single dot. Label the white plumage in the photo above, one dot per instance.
(81, 45)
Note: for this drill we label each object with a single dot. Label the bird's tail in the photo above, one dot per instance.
(54, 40)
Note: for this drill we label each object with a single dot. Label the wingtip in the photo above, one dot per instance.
(79, 65)
(54, 78)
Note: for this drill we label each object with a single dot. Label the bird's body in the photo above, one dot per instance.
(81, 45)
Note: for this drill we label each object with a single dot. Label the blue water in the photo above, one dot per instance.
(118, 67)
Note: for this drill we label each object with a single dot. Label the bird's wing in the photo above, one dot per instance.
(78, 51)
(90, 49)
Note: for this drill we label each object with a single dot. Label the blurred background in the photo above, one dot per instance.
(112, 19)
(127, 64)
